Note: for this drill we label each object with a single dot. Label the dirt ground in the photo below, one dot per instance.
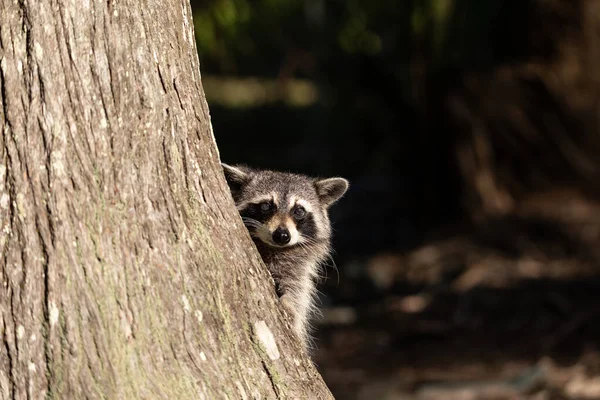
(506, 309)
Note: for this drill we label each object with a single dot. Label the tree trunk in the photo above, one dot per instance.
(125, 271)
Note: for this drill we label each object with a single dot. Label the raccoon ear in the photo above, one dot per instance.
(236, 176)
(330, 190)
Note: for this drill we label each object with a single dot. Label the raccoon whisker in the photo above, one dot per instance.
(253, 223)
(307, 249)
(258, 230)
(250, 220)
(332, 265)
(335, 268)
(310, 241)
(311, 252)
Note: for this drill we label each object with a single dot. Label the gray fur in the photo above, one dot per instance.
(295, 267)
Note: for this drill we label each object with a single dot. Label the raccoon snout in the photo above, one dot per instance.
(281, 236)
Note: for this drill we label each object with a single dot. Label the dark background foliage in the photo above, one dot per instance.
(469, 132)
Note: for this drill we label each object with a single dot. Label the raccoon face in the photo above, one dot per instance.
(283, 209)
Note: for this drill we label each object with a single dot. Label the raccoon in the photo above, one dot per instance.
(287, 217)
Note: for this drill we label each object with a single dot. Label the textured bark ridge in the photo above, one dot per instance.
(125, 271)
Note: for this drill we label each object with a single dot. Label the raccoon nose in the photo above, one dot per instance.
(281, 236)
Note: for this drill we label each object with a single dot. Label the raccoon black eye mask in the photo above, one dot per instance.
(287, 217)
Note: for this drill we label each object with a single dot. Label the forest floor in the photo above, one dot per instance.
(506, 309)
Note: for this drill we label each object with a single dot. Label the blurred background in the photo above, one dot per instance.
(468, 247)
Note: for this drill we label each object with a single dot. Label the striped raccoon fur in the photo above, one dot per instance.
(287, 217)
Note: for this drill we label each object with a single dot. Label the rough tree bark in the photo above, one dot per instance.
(125, 271)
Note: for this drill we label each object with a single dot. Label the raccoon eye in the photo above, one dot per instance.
(299, 212)
(265, 206)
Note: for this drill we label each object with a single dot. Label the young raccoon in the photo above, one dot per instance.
(286, 215)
